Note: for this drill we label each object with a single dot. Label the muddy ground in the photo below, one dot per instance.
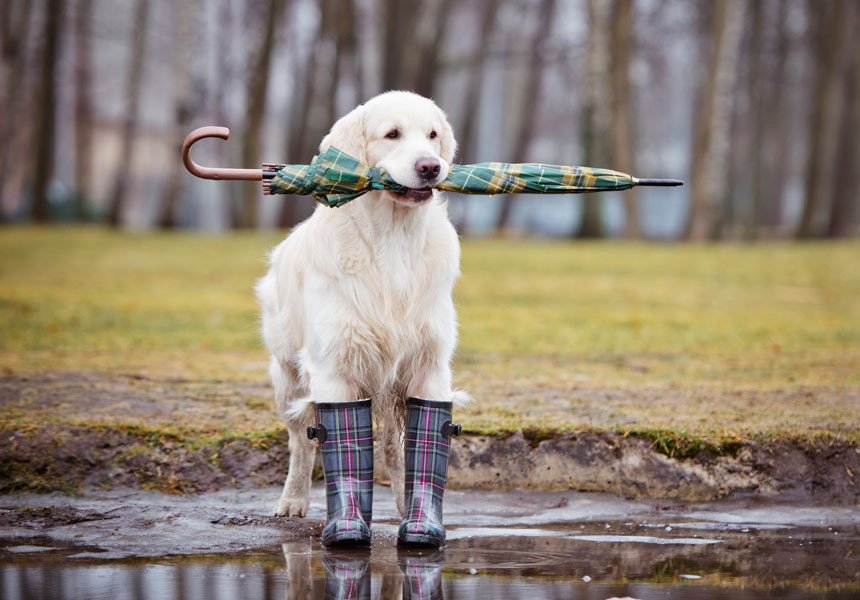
(523, 535)
(92, 445)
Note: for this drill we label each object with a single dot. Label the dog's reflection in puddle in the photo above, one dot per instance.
(348, 573)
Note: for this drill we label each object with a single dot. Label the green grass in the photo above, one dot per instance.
(710, 341)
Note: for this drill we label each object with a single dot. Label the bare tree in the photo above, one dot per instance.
(427, 72)
(827, 32)
(846, 195)
(83, 106)
(622, 142)
(711, 146)
(468, 131)
(185, 96)
(258, 89)
(528, 105)
(134, 76)
(771, 141)
(43, 161)
(596, 115)
(399, 49)
(14, 24)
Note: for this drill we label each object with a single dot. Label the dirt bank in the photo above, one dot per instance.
(57, 457)
(69, 430)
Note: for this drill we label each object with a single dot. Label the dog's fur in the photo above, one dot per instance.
(357, 300)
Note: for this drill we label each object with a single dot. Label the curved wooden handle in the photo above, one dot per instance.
(214, 172)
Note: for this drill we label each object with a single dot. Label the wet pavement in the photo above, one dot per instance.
(132, 544)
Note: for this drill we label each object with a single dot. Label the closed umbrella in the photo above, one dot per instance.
(334, 177)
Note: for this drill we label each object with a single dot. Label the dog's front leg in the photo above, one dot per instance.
(294, 499)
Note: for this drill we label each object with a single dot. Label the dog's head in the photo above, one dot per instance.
(403, 133)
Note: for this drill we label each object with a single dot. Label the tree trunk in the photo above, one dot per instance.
(468, 133)
(468, 130)
(399, 49)
(596, 113)
(774, 144)
(621, 34)
(828, 32)
(294, 208)
(427, 72)
(184, 100)
(83, 107)
(134, 76)
(258, 88)
(528, 104)
(711, 148)
(15, 25)
(43, 166)
(846, 195)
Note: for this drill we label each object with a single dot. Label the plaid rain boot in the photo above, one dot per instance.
(344, 431)
(428, 441)
(347, 574)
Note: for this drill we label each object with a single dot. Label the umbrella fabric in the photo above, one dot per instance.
(334, 178)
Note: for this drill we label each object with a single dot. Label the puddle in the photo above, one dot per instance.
(636, 560)
(141, 545)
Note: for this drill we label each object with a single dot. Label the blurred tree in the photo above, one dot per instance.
(307, 126)
(527, 117)
(596, 110)
(711, 142)
(399, 48)
(468, 130)
(134, 75)
(828, 25)
(846, 195)
(622, 142)
(245, 215)
(83, 106)
(15, 19)
(771, 106)
(43, 161)
(426, 73)
(185, 97)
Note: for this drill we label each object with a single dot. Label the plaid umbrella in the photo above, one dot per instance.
(334, 178)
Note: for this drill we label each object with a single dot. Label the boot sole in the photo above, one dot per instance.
(348, 539)
(417, 539)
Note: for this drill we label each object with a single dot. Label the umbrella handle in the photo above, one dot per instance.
(214, 172)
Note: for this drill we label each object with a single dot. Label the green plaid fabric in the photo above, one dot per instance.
(334, 178)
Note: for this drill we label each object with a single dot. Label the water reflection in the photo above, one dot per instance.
(748, 564)
(348, 574)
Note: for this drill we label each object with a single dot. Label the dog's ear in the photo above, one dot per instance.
(448, 143)
(348, 134)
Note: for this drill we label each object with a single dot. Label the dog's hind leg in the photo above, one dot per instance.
(295, 496)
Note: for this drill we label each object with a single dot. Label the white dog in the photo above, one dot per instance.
(357, 300)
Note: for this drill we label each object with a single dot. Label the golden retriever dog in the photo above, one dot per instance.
(357, 300)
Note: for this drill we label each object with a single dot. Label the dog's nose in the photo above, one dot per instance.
(427, 168)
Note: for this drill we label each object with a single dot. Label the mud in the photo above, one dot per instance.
(49, 457)
(500, 545)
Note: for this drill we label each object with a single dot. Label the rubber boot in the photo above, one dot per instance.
(347, 574)
(344, 431)
(422, 573)
(428, 441)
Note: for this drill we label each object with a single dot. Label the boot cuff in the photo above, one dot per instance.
(353, 404)
(429, 403)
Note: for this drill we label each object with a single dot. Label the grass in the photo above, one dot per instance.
(675, 342)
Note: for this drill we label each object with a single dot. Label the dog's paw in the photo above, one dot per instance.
(291, 507)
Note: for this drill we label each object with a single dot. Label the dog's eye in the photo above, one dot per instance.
(433, 134)
(393, 134)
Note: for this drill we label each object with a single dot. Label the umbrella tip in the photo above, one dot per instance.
(658, 182)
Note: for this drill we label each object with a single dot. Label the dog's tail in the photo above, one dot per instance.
(300, 410)
(460, 398)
